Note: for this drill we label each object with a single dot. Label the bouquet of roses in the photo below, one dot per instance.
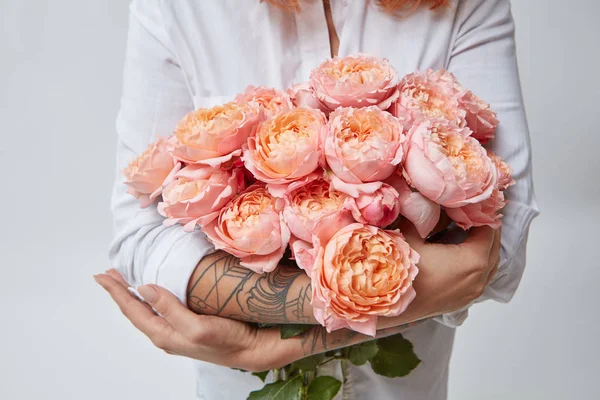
(325, 169)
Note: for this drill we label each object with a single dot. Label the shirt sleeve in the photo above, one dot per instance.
(483, 59)
(155, 96)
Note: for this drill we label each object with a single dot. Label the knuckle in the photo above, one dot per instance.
(161, 341)
(197, 334)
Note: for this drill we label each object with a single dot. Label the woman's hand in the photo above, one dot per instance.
(208, 338)
(450, 276)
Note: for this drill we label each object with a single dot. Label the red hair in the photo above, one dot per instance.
(389, 6)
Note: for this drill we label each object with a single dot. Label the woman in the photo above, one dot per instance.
(188, 54)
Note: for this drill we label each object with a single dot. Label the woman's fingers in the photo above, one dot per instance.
(170, 308)
(117, 277)
(140, 315)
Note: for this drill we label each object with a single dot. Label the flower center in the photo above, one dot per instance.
(461, 152)
(370, 262)
(285, 141)
(315, 200)
(356, 72)
(246, 209)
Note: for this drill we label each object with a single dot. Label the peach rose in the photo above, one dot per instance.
(198, 194)
(147, 174)
(505, 178)
(316, 204)
(251, 228)
(212, 136)
(363, 145)
(286, 147)
(486, 212)
(448, 166)
(355, 81)
(271, 100)
(480, 118)
(361, 273)
(434, 94)
(379, 208)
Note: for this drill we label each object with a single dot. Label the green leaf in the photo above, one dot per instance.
(261, 375)
(395, 357)
(308, 363)
(323, 388)
(290, 330)
(359, 354)
(282, 390)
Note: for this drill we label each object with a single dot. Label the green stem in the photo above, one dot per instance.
(305, 383)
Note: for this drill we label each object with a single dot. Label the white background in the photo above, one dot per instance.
(61, 337)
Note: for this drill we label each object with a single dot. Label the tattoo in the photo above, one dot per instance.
(237, 292)
(310, 341)
(270, 298)
(225, 271)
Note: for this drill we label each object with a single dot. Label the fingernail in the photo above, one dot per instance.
(148, 292)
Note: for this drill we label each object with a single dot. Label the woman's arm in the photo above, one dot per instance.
(452, 277)
(221, 286)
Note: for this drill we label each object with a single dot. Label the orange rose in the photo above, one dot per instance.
(213, 136)
(361, 273)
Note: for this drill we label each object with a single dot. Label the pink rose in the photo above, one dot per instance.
(316, 204)
(198, 194)
(505, 178)
(355, 81)
(437, 94)
(448, 166)
(286, 147)
(434, 94)
(147, 174)
(380, 208)
(361, 273)
(480, 118)
(486, 212)
(271, 100)
(251, 228)
(213, 136)
(363, 145)
(418, 209)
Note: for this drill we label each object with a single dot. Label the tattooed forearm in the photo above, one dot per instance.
(221, 286)
(275, 298)
(222, 272)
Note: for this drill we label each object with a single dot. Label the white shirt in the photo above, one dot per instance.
(185, 54)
